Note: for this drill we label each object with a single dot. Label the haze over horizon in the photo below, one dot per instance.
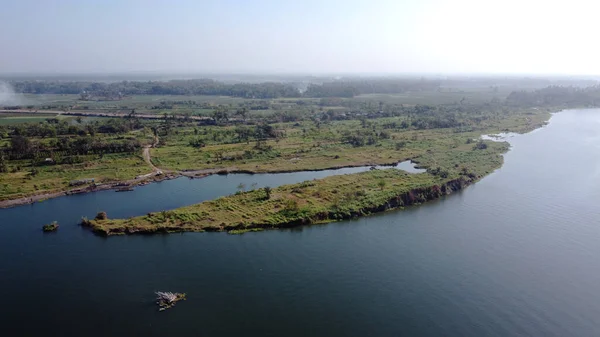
(315, 37)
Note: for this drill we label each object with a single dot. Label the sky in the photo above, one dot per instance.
(300, 36)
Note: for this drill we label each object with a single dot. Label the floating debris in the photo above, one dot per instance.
(166, 300)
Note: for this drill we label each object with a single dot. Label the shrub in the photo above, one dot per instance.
(85, 221)
(50, 227)
(268, 191)
(291, 206)
(480, 146)
(101, 216)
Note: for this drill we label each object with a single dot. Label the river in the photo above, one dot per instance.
(516, 254)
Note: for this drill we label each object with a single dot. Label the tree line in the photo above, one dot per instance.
(54, 127)
(351, 88)
(116, 90)
(63, 142)
(556, 96)
(61, 150)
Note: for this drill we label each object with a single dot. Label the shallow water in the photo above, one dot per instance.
(516, 254)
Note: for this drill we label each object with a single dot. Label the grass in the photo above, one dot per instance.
(19, 118)
(307, 147)
(471, 94)
(49, 179)
(328, 199)
(319, 201)
(434, 97)
(450, 155)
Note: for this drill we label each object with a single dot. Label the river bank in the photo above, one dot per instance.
(320, 201)
(329, 198)
(88, 189)
(158, 176)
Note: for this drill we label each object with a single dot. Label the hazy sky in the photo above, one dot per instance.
(308, 36)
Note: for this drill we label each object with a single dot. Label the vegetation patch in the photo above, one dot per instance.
(50, 227)
(318, 201)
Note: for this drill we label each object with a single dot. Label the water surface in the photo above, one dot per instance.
(516, 254)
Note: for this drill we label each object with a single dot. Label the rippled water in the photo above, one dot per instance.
(516, 254)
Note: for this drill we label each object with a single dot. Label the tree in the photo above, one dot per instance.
(243, 133)
(480, 146)
(20, 144)
(363, 122)
(198, 143)
(291, 206)
(220, 114)
(381, 184)
(34, 171)
(243, 112)
(3, 165)
(264, 130)
(91, 130)
(268, 191)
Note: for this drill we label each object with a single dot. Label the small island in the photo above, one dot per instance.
(50, 227)
(166, 300)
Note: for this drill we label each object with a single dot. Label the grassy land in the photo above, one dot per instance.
(317, 201)
(19, 118)
(310, 142)
(445, 96)
(307, 147)
(48, 179)
(453, 157)
(150, 103)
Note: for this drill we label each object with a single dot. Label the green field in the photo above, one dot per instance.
(317, 201)
(307, 144)
(453, 158)
(19, 118)
(151, 103)
(470, 95)
(56, 178)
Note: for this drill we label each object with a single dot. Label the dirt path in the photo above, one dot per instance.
(146, 154)
(147, 159)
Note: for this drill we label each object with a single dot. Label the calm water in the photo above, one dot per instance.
(517, 254)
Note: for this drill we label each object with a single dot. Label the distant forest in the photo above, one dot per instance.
(175, 87)
(556, 96)
(550, 96)
(115, 90)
